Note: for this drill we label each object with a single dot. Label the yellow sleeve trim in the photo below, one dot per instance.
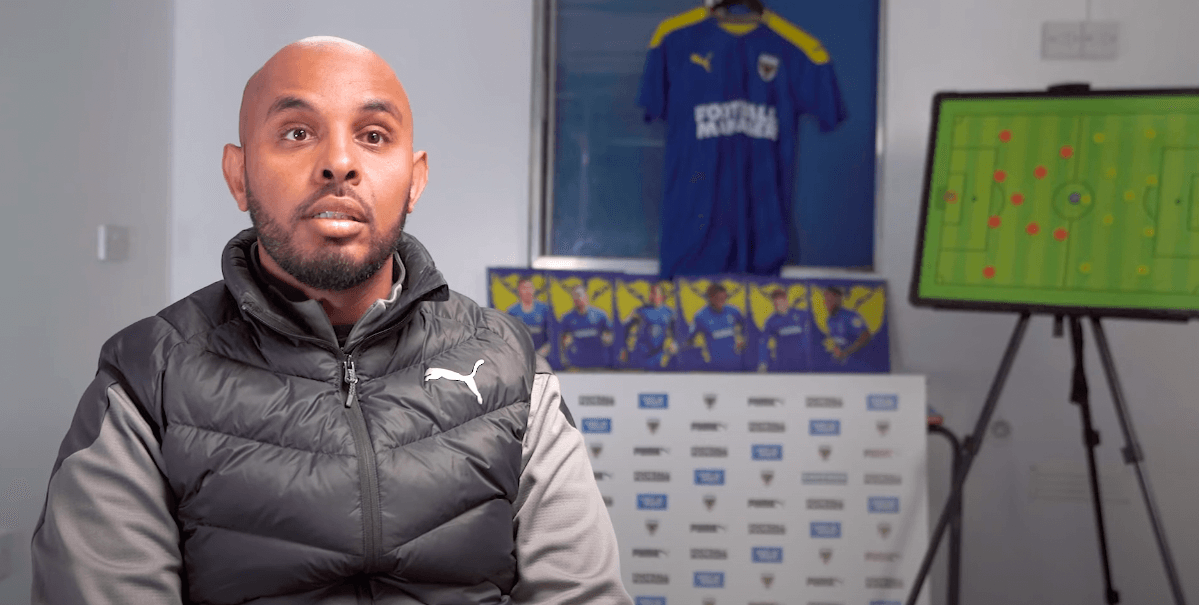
(800, 38)
(677, 22)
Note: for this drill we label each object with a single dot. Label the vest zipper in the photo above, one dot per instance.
(368, 477)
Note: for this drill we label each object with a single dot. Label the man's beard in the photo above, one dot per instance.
(326, 269)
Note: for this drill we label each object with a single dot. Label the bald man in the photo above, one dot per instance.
(330, 423)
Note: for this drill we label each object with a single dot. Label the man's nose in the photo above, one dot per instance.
(339, 163)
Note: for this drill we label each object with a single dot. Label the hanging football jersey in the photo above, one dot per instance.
(732, 94)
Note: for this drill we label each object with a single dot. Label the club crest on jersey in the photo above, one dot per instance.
(768, 66)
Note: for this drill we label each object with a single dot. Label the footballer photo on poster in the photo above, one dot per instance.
(782, 319)
(523, 294)
(648, 312)
(850, 318)
(584, 332)
(716, 335)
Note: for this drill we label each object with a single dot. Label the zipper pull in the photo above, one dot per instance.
(351, 379)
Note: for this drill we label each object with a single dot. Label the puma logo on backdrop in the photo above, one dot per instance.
(435, 373)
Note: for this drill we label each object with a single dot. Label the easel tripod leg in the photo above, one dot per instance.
(1132, 455)
(974, 441)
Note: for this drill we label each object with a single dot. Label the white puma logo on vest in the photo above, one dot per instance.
(435, 373)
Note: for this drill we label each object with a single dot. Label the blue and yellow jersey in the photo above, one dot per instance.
(537, 319)
(785, 340)
(586, 349)
(732, 96)
(721, 330)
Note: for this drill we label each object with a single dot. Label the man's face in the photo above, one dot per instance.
(328, 171)
(780, 304)
(656, 296)
(525, 290)
(832, 300)
(580, 298)
(718, 299)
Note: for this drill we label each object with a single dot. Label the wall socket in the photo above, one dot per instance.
(1087, 40)
(112, 243)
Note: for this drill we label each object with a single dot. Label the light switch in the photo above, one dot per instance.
(112, 243)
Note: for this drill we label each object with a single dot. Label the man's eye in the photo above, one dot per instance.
(374, 137)
(296, 134)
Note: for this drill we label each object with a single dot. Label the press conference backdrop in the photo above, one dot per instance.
(760, 489)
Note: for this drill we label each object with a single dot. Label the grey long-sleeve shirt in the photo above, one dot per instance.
(108, 535)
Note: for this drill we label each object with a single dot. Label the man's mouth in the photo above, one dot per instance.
(337, 216)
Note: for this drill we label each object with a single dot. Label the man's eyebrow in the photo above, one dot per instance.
(384, 106)
(288, 102)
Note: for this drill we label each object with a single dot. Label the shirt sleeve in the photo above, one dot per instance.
(652, 96)
(817, 92)
(566, 551)
(107, 533)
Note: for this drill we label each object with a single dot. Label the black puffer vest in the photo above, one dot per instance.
(309, 473)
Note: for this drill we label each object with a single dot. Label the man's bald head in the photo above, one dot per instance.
(306, 54)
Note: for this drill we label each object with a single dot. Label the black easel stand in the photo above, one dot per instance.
(954, 588)
(1079, 396)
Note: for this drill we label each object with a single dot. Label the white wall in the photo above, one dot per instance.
(466, 65)
(85, 103)
(1017, 550)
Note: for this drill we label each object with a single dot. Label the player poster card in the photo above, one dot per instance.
(782, 319)
(716, 334)
(648, 311)
(524, 294)
(583, 307)
(850, 318)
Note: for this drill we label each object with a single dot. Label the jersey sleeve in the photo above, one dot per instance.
(652, 95)
(816, 91)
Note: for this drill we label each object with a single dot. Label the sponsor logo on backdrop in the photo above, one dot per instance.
(649, 601)
(825, 603)
(709, 451)
(765, 503)
(601, 475)
(882, 479)
(884, 583)
(708, 601)
(767, 427)
(824, 581)
(650, 451)
(878, 453)
(824, 402)
(766, 554)
(824, 478)
(765, 402)
(652, 424)
(653, 476)
(608, 501)
(883, 426)
(652, 401)
(767, 452)
(597, 425)
(651, 526)
(597, 449)
(826, 555)
(605, 400)
(767, 579)
(882, 403)
(825, 451)
(651, 578)
(650, 553)
(884, 602)
(826, 504)
(767, 476)
(709, 579)
(767, 529)
(709, 476)
(826, 529)
(875, 556)
(708, 426)
(706, 528)
(712, 554)
(883, 504)
(651, 501)
(884, 529)
(824, 427)
(709, 501)
(709, 401)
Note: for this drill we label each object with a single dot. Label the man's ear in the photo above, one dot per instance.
(420, 176)
(233, 164)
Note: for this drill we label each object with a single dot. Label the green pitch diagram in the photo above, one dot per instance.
(1089, 202)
